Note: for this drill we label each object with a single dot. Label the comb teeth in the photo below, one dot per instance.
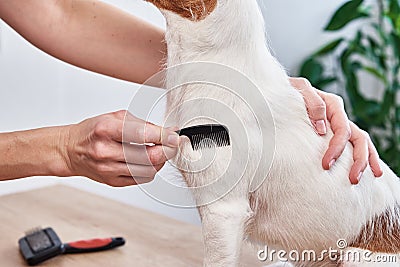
(207, 136)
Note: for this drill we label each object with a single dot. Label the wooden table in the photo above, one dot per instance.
(152, 239)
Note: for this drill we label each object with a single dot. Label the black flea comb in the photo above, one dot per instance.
(42, 244)
(207, 136)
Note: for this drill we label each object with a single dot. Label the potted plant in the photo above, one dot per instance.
(373, 50)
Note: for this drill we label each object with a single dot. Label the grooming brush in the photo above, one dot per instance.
(206, 136)
(42, 244)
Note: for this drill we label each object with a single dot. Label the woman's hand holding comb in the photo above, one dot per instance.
(96, 148)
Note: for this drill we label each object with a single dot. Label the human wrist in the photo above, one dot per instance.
(61, 163)
(47, 147)
(49, 151)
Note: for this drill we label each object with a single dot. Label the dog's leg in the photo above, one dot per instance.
(224, 224)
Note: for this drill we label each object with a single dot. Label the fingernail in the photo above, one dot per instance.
(320, 126)
(377, 174)
(173, 140)
(331, 163)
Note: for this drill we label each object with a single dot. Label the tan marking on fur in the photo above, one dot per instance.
(382, 234)
(191, 9)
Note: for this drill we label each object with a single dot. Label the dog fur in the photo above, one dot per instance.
(299, 206)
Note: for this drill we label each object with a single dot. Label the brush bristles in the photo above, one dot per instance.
(34, 230)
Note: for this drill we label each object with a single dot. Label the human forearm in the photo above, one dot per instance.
(93, 148)
(32, 153)
(89, 34)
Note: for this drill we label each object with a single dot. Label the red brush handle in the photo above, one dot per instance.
(93, 245)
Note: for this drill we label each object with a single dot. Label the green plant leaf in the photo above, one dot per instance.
(387, 104)
(325, 82)
(375, 49)
(395, 39)
(398, 112)
(347, 13)
(366, 108)
(357, 45)
(394, 7)
(375, 54)
(396, 86)
(393, 13)
(329, 47)
(398, 25)
(312, 69)
(373, 43)
(381, 33)
(376, 73)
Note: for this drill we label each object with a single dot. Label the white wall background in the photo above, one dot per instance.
(37, 90)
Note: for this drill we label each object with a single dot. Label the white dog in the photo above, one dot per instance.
(298, 206)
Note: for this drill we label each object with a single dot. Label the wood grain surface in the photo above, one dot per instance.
(152, 239)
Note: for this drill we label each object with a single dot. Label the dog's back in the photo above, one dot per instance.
(298, 206)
